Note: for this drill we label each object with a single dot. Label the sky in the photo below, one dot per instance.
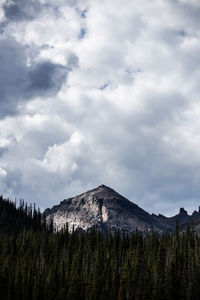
(101, 92)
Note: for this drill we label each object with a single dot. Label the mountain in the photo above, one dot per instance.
(102, 207)
(106, 209)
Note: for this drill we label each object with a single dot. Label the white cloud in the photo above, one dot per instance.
(128, 113)
(62, 158)
(3, 172)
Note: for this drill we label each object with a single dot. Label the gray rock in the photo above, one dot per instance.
(106, 209)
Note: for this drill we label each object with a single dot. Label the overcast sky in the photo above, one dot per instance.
(101, 92)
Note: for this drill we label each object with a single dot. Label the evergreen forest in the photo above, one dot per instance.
(38, 263)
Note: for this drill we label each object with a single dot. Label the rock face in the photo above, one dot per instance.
(106, 209)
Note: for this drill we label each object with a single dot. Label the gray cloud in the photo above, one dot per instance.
(21, 10)
(20, 82)
(128, 114)
(46, 77)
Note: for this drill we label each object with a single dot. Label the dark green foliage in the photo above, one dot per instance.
(14, 219)
(38, 263)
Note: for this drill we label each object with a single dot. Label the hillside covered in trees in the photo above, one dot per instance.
(38, 263)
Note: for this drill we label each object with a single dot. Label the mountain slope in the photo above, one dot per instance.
(105, 208)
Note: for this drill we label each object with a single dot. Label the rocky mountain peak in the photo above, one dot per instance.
(106, 209)
(103, 186)
(102, 207)
(103, 189)
(183, 211)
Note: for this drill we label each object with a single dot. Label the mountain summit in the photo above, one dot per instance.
(102, 207)
(106, 209)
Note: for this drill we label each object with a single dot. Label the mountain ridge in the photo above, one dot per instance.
(106, 209)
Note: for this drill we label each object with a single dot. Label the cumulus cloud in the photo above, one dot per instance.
(128, 113)
(20, 81)
(21, 10)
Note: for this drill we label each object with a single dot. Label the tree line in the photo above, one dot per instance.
(37, 262)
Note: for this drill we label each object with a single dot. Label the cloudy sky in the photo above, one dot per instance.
(101, 92)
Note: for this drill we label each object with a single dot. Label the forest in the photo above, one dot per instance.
(36, 262)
